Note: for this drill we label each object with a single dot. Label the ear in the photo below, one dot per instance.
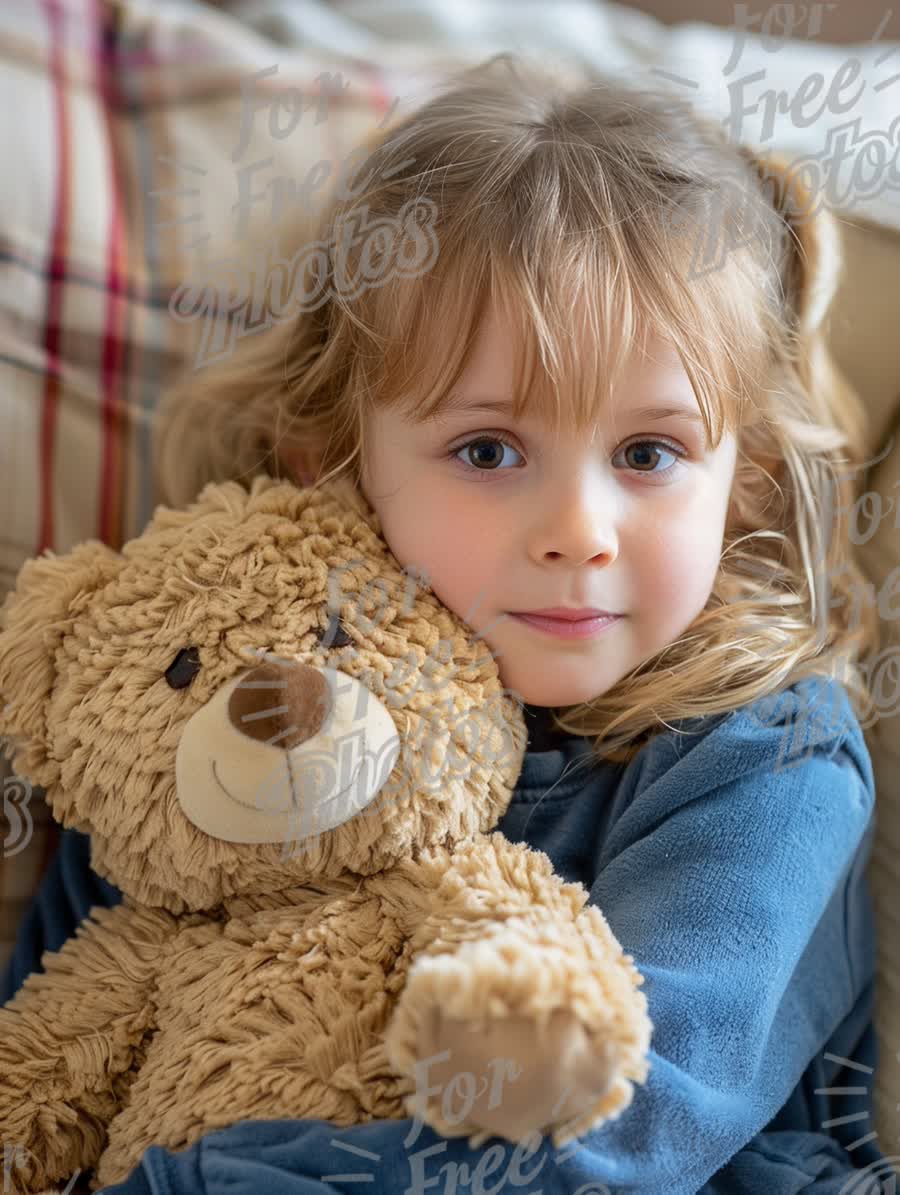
(299, 461)
(35, 616)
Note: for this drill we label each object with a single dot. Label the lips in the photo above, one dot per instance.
(567, 614)
(569, 627)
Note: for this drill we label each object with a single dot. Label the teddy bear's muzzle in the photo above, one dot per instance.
(282, 752)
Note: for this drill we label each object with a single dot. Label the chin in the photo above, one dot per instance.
(557, 696)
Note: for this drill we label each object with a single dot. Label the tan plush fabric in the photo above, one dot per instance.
(285, 944)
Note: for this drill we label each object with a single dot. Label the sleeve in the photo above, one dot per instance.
(312, 1157)
(727, 879)
(309, 1157)
(724, 876)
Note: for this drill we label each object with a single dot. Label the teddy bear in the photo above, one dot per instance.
(289, 756)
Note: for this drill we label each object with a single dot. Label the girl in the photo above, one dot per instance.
(578, 371)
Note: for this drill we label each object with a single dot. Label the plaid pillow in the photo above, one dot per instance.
(134, 138)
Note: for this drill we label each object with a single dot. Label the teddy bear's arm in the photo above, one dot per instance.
(71, 1039)
(527, 995)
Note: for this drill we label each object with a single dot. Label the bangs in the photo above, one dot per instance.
(574, 314)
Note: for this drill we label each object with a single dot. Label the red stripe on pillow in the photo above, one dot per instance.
(56, 280)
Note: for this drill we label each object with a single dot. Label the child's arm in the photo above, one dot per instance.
(733, 880)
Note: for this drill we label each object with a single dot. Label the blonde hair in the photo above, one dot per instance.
(546, 193)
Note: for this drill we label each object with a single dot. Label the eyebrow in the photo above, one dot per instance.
(458, 402)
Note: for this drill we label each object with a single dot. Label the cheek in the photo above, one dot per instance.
(678, 565)
(447, 545)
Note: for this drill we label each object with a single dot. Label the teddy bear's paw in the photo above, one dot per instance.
(512, 1076)
(508, 1034)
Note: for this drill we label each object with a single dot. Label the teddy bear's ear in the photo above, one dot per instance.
(34, 617)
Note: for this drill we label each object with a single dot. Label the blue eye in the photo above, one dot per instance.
(483, 445)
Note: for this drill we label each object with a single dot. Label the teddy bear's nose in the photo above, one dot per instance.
(283, 752)
(282, 704)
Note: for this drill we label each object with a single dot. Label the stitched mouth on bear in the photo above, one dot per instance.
(293, 809)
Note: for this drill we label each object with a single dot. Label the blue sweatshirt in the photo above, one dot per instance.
(729, 860)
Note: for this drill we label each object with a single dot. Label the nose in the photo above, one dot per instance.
(579, 525)
(280, 705)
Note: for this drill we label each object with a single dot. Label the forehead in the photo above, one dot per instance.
(499, 341)
(572, 357)
(650, 370)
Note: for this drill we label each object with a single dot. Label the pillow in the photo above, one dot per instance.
(133, 131)
(879, 551)
(862, 331)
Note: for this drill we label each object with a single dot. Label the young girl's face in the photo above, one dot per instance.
(630, 522)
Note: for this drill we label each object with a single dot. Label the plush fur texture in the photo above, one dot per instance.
(328, 907)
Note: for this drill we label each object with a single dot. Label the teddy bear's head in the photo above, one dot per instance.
(251, 695)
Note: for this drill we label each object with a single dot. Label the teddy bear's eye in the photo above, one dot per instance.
(183, 668)
(334, 634)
